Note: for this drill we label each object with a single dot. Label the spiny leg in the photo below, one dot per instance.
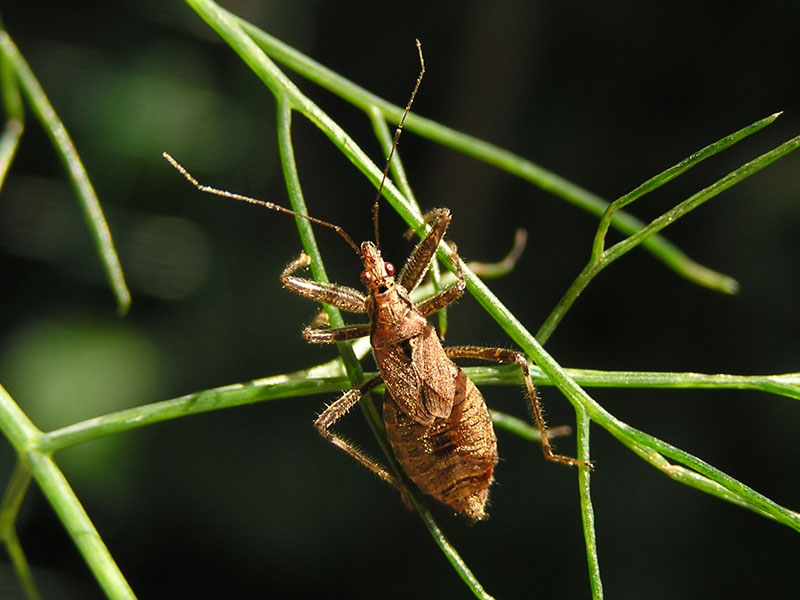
(420, 259)
(503, 355)
(341, 297)
(448, 296)
(336, 411)
(319, 331)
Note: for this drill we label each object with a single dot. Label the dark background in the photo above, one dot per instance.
(251, 502)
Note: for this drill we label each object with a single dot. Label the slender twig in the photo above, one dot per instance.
(90, 205)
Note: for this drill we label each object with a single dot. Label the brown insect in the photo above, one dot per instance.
(436, 418)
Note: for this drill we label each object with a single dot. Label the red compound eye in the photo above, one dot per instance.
(366, 277)
(389, 269)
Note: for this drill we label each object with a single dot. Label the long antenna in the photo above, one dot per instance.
(397, 133)
(277, 207)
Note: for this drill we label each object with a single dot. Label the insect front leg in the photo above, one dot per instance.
(448, 296)
(340, 296)
(336, 411)
(344, 298)
(420, 258)
(319, 331)
(503, 355)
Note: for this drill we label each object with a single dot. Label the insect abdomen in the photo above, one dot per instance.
(452, 459)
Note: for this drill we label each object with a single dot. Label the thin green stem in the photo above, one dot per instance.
(300, 384)
(702, 475)
(384, 135)
(587, 509)
(355, 373)
(704, 195)
(692, 478)
(385, 139)
(9, 142)
(90, 205)
(12, 97)
(567, 300)
(458, 564)
(78, 525)
(668, 175)
(485, 152)
(522, 428)
(9, 509)
(288, 98)
(602, 259)
(328, 378)
(15, 116)
(351, 363)
(504, 266)
(26, 439)
(598, 414)
(15, 424)
(21, 566)
(12, 499)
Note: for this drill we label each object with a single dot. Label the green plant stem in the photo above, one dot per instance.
(15, 424)
(9, 142)
(78, 525)
(381, 129)
(9, 509)
(15, 116)
(525, 430)
(266, 70)
(488, 153)
(601, 260)
(27, 441)
(289, 97)
(12, 98)
(303, 383)
(451, 553)
(664, 177)
(704, 195)
(327, 379)
(352, 365)
(598, 414)
(349, 360)
(587, 509)
(12, 499)
(21, 566)
(90, 205)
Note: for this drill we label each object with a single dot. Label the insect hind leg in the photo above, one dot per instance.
(505, 356)
(336, 411)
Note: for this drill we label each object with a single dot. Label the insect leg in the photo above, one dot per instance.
(319, 331)
(336, 411)
(502, 355)
(420, 258)
(341, 297)
(448, 296)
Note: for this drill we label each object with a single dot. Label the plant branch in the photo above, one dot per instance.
(665, 251)
(90, 205)
(602, 258)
